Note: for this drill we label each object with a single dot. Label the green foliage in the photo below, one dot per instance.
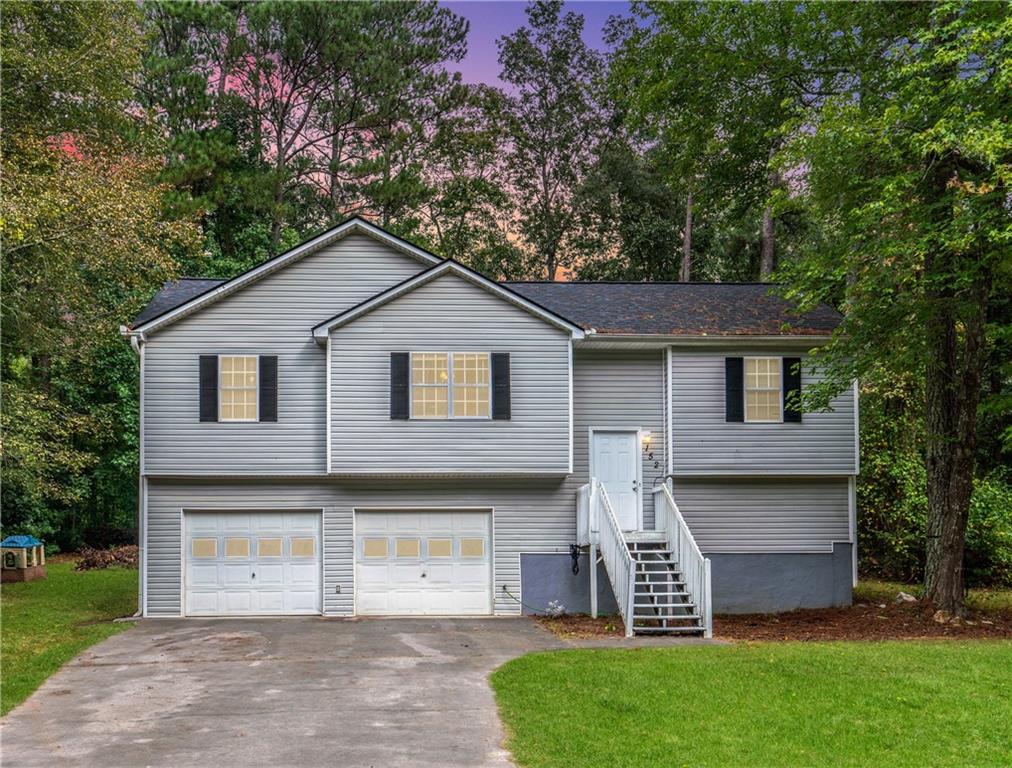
(85, 240)
(46, 623)
(893, 502)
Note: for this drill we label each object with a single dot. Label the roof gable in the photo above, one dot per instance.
(449, 267)
(184, 297)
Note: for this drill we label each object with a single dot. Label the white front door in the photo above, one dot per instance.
(252, 563)
(615, 461)
(423, 563)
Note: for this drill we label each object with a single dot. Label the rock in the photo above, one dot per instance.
(881, 605)
(942, 617)
(905, 597)
(985, 621)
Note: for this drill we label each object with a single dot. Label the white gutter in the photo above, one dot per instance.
(592, 337)
(137, 342)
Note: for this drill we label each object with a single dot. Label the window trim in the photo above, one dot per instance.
(449, 385)
(257, 398)
(745, 390)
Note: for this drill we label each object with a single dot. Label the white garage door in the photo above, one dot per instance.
(252, 563)
(423, 563)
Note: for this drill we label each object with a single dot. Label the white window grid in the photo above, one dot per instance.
(458, 379)
(244, 386)
(767, 377)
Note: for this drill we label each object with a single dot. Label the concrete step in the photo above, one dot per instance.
(668, 630)
(663, 606)
(655, 617)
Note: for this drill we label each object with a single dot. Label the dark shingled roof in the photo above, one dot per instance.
(173, 294)
(678, 309)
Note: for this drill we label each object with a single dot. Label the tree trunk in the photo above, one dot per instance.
(952, 395)
(954, 332)
(767, 260)
(684, 274)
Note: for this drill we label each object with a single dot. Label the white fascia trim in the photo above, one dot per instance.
(857, 429)
(328, 426)
(276, 263)
(571, 424)
(852, 523)
(322, 331)
(743, 340)
(669, 411)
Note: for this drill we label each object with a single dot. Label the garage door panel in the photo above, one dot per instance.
(304, 573)
(270, 574)
(436, 577)
(244, 563)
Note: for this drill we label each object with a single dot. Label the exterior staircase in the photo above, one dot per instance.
(662, 602)
(660, 579)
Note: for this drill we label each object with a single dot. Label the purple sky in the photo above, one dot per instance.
(492, 20)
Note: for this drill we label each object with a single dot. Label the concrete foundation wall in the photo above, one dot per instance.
(775, 582)
(548, 577)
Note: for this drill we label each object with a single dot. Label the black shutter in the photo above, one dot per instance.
(734, 389)
(501, 386)
(792, 383)
(268, 388)
(399, 385)
(208, 387)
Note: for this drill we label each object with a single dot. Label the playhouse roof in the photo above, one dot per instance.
(20, 542)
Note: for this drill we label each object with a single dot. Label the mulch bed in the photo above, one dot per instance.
(862, 621)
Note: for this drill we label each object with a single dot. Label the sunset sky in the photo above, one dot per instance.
(491, 20)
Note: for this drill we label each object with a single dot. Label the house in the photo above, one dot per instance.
(358, 427)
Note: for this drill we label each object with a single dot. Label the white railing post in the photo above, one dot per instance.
(694, 567)
(606, 535)
(593, 580)
(708, 610)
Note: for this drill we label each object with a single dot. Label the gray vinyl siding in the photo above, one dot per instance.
(530, 515)
(274, 316)
(621, 389)
(705, 444)
(449, 314)
(765, 515)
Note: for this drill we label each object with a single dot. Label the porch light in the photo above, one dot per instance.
(646, 439)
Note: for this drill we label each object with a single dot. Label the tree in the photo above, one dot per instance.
(715, 85)
(84, 241)
(553, 124)
(468, 215)
(910, 167)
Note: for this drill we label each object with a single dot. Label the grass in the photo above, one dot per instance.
(762, 704)
(46, 623)
(977, 599)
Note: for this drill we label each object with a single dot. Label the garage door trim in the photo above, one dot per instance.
(486, 510)
(184, 511)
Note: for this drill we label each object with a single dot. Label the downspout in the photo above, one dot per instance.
(137, 342)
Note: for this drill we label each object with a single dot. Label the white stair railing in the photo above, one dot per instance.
(694, 567)
(606, 534)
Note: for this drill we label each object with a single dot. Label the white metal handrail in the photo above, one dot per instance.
(694, 567)
(618, 563)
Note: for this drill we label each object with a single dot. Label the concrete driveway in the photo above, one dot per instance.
(282, 692)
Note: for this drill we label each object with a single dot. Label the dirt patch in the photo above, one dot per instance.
(580, 625)
(862, 621)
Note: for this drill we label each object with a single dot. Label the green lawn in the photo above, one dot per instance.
(763, 704)
(44, 624)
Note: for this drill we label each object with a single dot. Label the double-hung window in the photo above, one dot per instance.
(448, 385)
(763, 393)
(237, 386)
